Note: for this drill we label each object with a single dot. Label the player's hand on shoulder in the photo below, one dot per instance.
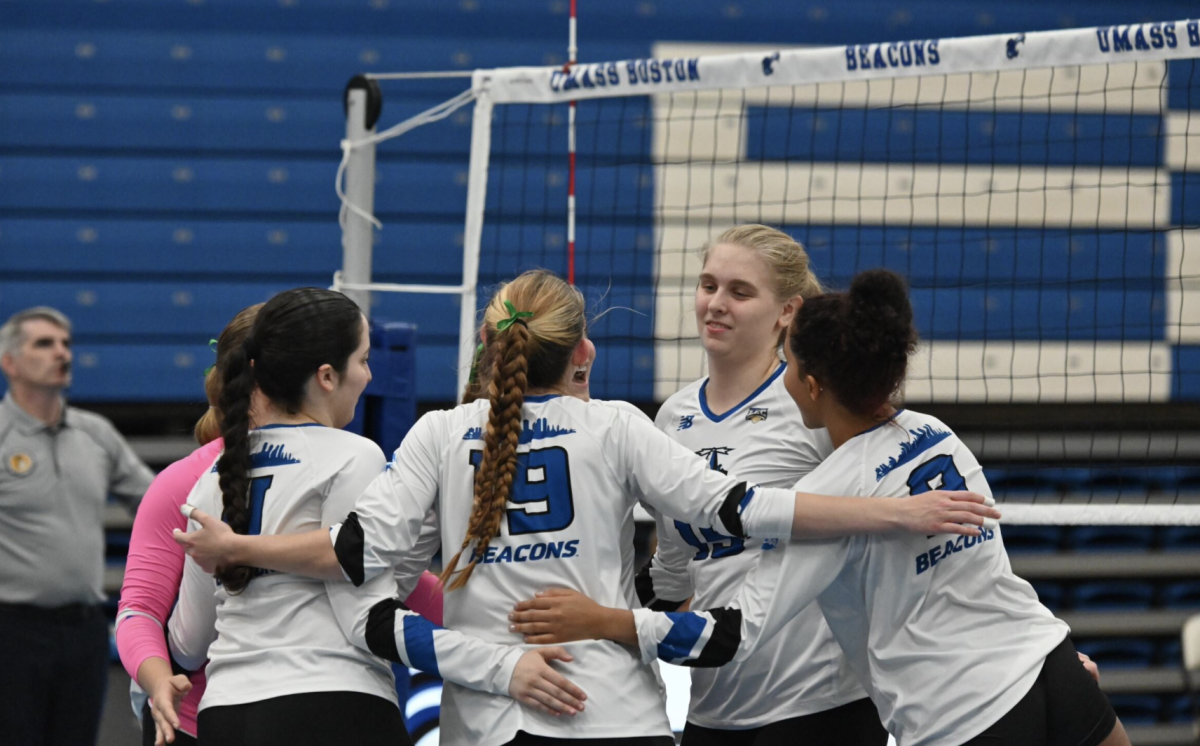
(212, 545)
(556, 616)
(536, 684)
(946, 512)
(1090, 666)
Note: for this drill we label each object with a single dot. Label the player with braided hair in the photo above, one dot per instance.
(537, 486)
(282, 670)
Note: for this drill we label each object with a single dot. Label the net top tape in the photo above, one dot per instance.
(1140, 42)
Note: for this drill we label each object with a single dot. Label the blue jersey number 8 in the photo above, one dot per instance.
(543, 483)
(938, 467)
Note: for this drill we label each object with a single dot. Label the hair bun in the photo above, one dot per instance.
(879, 289)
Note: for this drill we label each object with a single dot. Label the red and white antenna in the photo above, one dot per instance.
(572, 51)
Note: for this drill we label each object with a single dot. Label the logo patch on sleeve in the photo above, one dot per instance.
(19, 464)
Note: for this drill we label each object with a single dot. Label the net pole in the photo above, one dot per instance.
(357, 232)
(572, 54)
(481, 145)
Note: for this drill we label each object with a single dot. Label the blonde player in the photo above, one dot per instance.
(538, 490)
(281, 670)
(950, 645)
(740, 419)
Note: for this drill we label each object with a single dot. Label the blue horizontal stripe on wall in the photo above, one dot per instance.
(306, 187)
(1185, 198)
(716, 20)
(1039, 314)
(259, 127)
(1185, 373)
(408, 250)
(955, 257)
(1183, 84)
(125, 60)
(904, 135)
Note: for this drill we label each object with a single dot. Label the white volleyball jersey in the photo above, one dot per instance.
(568, 524)
(280, 635)
(945, 638)
(802, 670)
(286, 634)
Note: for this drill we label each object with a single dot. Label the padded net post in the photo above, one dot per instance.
(362, 110)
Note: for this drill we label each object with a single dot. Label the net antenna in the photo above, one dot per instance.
(572, 57)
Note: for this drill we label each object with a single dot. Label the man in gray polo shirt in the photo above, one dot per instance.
(58, 465)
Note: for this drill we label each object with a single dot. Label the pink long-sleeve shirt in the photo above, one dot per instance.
(153, 570)
(155, 566)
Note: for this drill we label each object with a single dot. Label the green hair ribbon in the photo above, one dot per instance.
(212, 345)
(513, 316)
(474, 377)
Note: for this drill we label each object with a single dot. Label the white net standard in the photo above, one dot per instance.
(1035, 189)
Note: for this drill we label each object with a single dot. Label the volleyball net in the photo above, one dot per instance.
(1039, 191)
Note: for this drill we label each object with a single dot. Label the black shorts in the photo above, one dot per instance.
(315, 719)
(528, 739)
(148, 730)
(1065, 707)
(853, 724)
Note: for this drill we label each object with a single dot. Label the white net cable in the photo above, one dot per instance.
(430, 115)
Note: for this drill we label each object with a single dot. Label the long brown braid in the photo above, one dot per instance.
(498, 467)
(523, 355)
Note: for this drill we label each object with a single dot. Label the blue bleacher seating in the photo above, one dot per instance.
(196, 61)
(1136, 709)
(1124, 481)
(1181, 538)
(1179, 709)
(1050, 594)
(147, 137)
(1112, 596)
(1041, 539)
(1181, 595)
(945, 256)
(1018, 482)
(116, 543)
(412, 251)
(1188, 480)
(887, 135)
(1110, 538)
(1119, 652)
(1170, 653)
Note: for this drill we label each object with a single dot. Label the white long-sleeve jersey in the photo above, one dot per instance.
(801, 670)
(287, 634)
(568, 524)
(942, 634)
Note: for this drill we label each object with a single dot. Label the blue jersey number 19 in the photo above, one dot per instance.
(543, 487)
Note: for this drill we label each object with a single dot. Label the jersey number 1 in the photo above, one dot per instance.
(258, 493)
(542, 487)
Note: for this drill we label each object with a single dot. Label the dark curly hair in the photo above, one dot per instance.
(857, 343)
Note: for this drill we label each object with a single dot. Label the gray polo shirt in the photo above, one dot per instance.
(54, 481)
